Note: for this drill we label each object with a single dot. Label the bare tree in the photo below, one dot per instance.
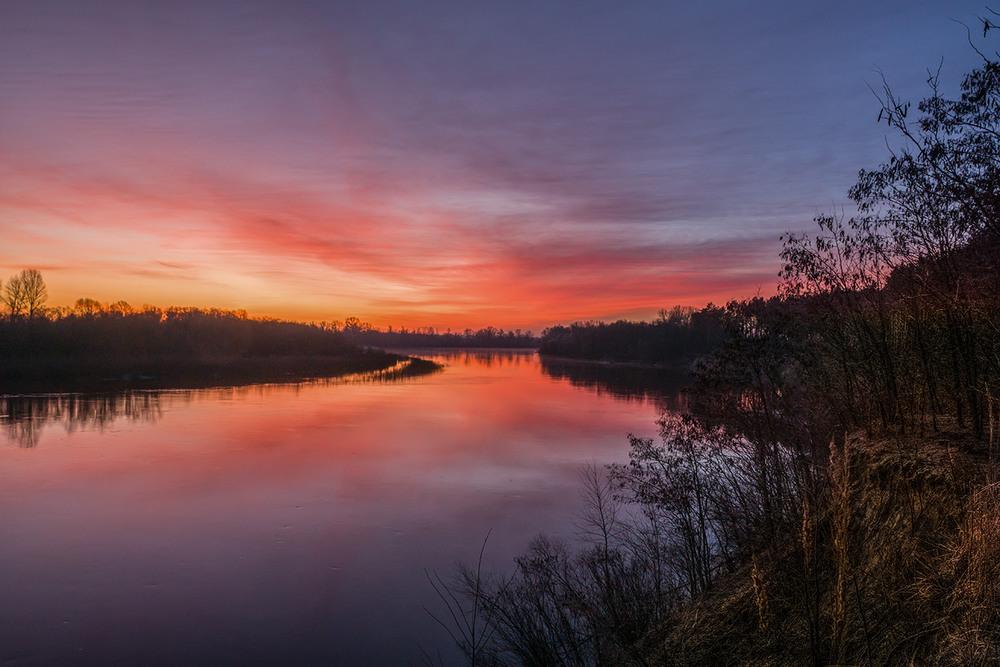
(35, 292)
(86, 306)
(122, 307)
(13, 296)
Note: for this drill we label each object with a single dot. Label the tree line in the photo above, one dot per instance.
(363, 333)
(830, 496)
(110, 344)
(678, 337)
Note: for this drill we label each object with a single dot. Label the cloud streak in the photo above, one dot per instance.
(441, 164)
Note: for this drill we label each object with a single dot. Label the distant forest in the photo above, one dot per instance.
(101, 346)
(362, 333)
(676, 338)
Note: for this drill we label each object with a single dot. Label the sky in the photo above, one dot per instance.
(449, 164)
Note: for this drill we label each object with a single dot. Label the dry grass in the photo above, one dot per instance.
(906, 570)
(971, 578)
(892, 559)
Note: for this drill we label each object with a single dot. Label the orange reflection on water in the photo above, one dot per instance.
(269, 512)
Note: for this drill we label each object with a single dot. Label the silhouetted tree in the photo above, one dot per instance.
(13, 296)
(121, 307)
(905, 293)
(35, 292)
(85, 306)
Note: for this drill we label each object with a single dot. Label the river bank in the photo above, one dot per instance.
(74, 374)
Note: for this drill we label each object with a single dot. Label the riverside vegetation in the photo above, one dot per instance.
(832, 494)
(677, 338)
(99, 347)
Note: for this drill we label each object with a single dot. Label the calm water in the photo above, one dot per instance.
(288, 523)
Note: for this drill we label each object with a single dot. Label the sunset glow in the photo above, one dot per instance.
(438, 164)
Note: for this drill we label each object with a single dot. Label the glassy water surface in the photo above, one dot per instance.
(290, 524)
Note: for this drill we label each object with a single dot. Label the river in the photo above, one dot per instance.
(290, 524)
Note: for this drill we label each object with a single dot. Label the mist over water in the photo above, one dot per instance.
(289, 523)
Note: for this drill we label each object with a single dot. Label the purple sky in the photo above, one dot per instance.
(450, 164)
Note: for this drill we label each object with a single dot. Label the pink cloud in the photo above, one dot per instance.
(428, 264)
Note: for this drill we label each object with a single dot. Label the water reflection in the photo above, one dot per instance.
(24, 417)
(286, 524)
(485, 357)
(657, 386)
(490, 358)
